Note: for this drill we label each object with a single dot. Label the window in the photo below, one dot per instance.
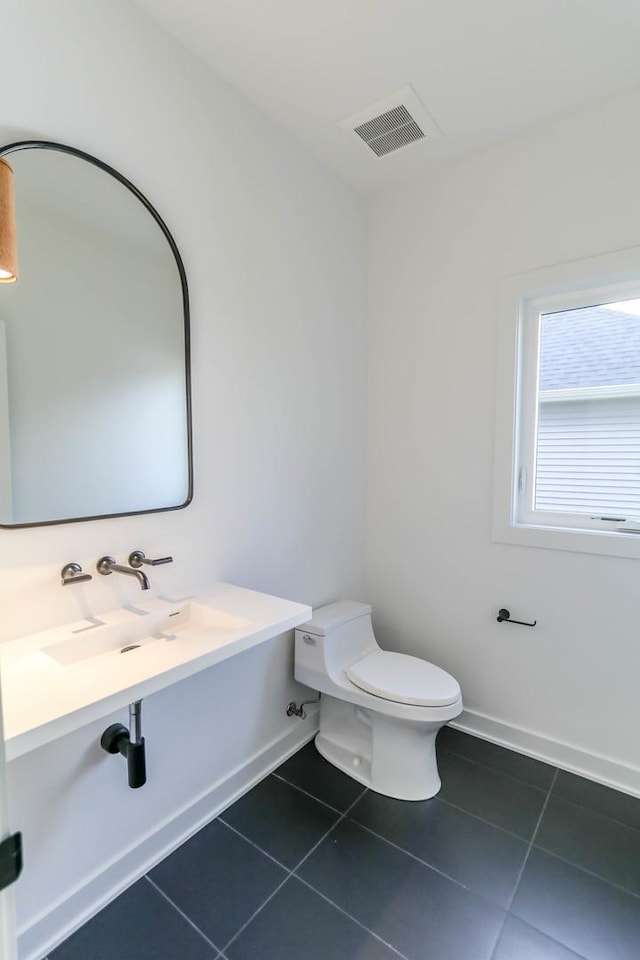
(568, 475)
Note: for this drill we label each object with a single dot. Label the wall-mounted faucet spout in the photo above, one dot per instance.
(107, 565)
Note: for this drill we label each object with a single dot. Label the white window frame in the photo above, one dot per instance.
(608, 278)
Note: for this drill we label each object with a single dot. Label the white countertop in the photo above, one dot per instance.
(58, 680)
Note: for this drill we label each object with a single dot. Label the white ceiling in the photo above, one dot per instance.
(485, 69)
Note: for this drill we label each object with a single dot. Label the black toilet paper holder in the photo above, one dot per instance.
(505, 617)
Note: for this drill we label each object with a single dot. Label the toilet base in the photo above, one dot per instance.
(396, 758)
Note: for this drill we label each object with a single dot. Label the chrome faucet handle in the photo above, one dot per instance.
(105, 564)
(137, 558)
(72, 573)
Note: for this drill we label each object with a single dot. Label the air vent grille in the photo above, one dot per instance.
(395, 122)
(400, 137)
(384, 123)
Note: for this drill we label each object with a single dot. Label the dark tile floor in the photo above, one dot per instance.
(514, 860)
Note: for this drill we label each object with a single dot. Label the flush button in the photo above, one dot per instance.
(307, 639)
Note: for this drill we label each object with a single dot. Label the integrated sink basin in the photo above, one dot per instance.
(177, 625)
(59, 680)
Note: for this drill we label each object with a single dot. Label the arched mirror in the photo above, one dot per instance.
(94, 347)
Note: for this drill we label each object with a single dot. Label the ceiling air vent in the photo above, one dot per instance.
(391, 124)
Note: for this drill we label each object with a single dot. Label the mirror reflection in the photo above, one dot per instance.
(94, 408)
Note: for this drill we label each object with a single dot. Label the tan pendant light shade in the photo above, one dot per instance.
(8, 245)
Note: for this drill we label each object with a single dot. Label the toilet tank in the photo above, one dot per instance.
(336, 635)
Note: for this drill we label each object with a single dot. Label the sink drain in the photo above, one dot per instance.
(132, 646)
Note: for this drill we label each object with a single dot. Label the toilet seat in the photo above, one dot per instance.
(404, 679)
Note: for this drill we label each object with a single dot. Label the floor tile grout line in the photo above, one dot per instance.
(183, 915)
(558, 796)
(547, 936)
(499, 937)
(590, 873)
(257, 911)
(424, 863)
(390, 843)
(401, 849)
(282, 883)
(530, 845)
(500, 773)
(582, 806)
(307, 793)
(571, 863)
(448, 803)
(531, 842)
(292, 871)
(345, 815)
(350, 916)
(524, 863)
(554, 778)
(252, 843)
(557, 770)
(476, 816)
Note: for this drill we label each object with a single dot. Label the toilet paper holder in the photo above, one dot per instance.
(505, 617)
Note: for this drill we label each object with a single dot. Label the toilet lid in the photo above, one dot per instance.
(404, 679)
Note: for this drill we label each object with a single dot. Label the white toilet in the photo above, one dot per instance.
(379, 711)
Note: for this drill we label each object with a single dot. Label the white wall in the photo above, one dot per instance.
(438, 248)
(274, 251)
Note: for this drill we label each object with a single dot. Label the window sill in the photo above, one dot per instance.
(604, 542)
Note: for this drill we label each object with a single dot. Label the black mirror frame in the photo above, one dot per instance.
(19, 145)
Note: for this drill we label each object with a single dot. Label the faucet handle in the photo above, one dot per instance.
(72, 573)
(137, 558)
(104, 565)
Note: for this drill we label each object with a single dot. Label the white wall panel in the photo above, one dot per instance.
(274, 253)
(438, 250)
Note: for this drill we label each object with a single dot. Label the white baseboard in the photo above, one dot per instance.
(45, 932)
(563, 755)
